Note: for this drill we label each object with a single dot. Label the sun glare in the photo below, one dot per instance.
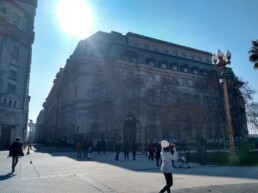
(75, 17)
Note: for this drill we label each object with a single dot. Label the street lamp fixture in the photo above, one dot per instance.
(220, 60)
(30, 124)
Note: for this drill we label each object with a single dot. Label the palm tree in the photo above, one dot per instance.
(253, 57)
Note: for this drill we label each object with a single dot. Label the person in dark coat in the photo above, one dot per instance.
(134, 149)
(85, 149)
(151, 151)
(98, 147)
(157, 151)
(126, 150)
(117, 150)
(15, 150)
(104, 145)
(79, 149)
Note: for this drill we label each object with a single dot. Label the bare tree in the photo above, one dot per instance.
(251, 106)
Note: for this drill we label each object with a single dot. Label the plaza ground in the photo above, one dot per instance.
(58, 170)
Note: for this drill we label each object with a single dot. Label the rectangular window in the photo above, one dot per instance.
(174, 67)
(4, 103)
(94, 127)
(10, 103)
(16, 19)
(195, 71)
(185, 69)
(165, 51)
(12, 75)
(136, 44)
(4, 10)
(146, 46)
(134, 60)
(11, 88)
(152, 63)
(156, 49)
(163, 65)
(151, 78)
(125, 58)
(15, 52)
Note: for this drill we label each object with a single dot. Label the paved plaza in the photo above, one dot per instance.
(50, 170)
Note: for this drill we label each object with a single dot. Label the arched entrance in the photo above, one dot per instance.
(130, 129)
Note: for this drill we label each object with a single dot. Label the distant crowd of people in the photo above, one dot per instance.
(84, 150)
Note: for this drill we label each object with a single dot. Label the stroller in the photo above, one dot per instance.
(181, 161)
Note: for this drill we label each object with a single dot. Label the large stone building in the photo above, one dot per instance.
(136, 88)
(16, 39)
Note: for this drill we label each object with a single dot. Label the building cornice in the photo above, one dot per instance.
(166, 43)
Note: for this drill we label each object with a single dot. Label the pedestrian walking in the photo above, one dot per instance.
(98, 147)
(171, 147)
(117, 150)
(126, 150)
(85, 149)
(134, 149)
(79, 149)
(157, 152)
(104, 145)
(90, 149)
(166, 166)
(15, 150)
(151, 150)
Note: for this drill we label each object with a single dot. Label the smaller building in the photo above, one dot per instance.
(16, 39)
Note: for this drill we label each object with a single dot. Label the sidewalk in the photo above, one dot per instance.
(60, 171)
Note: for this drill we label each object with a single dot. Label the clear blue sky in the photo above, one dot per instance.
(207, 25)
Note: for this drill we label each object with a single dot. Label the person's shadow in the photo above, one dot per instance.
(7, 176)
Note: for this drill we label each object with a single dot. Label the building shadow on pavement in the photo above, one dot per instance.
(142, 164)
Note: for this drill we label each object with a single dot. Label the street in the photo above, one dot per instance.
(51, 170)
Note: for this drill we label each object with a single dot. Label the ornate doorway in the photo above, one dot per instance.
(5, 136)
(130, 129)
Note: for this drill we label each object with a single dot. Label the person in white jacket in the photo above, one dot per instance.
(166, 165)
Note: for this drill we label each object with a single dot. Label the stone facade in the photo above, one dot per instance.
(135, 88)
(16, 39)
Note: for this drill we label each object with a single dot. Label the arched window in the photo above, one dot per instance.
(5, 102)
(195, 70)
(184, 68)
(173, 66)
(151, 61)
(125, 58)
(10, 103)
(214, 73)
(204, 72)
(163, 64)
(129, 56)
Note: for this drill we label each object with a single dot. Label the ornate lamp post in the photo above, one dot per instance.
(221, 61)
(30, 124)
